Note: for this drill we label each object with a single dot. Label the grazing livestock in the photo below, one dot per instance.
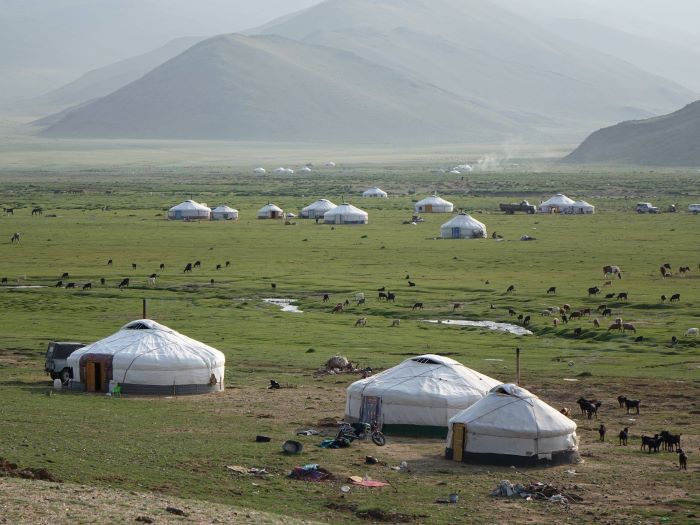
(360, 301)
(382, 289)
(326, 297)
(621, 400)
(578, 331)
(273, 285)
(70, 285)
(228, 263)
(520, 317)
(546, 313)
(109, 263)
(15, 238)
(589, 408)
(609, 295)
(622, 295)
(566, 308)
(59, 284)
(407, 277)
(382, 295)
(683, 269)
(417, 306)
(390, 296)
(667, 266)
(674, 340)
(601, 432)
(675, 297)
(682, 460)
(624, 434)
(512, 312)
(188, 268)
(37, 211)
(612, 270)
(692, 331)
(594, 290)
(411, 283)
(133, 266)
(601, 307)
(664, 272)
(396, 322)
(456, 306)
(671, 442)
(615, 326)
(664, 298)
(162, 266)
(103, 281)
(87, 286)
(197, 264)
(151, 281)
(124, 283)
(347, 302)
(9, 211)
(526, 320)
(596, 323)
(628, 326)
(575, 315)
(632, 403)
(585, 311)
(564, 319)
(566, 412)
(552, 290)
(4, 280)
(337, 308)
(555, 322)
(211, 281)
(651, 443)
(510, 289)
(218, 267)
(607, 312)
(362, 321)
(65, 275)
(153, 276)
(639, 339)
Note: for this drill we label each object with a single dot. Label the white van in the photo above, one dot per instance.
(694, 208)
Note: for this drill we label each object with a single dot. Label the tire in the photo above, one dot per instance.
(54, 375)
(64, 376)
(378, 439)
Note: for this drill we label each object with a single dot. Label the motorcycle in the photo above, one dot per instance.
(361, 431)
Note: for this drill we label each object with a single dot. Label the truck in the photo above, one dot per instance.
(646, 207)
(56, 364)
(523, 206)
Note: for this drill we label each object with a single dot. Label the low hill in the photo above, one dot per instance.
(670, 140)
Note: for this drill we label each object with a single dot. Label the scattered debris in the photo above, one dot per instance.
(340, 365)
(376, 515)
(292, 447)
(312, 473)
(249, 471)
(366, 482)
(262, 439)
(308, 432)
(537, 490)
(371, 460)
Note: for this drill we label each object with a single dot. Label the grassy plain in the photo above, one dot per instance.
(180, 447)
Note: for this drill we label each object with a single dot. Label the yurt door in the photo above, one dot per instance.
(455, 233)
(428, 208)
(96, 377)
(371, 410)
(459, 433)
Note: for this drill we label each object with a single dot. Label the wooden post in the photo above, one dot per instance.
(517, 366)
(144, 316)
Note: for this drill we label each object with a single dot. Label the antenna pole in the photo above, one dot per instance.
(145, 316)
(517, 366)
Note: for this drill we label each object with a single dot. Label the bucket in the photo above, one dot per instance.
(262, 439)
(454, 498)
(292, 447)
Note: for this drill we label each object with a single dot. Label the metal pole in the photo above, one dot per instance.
(144, 310)
(517, 366)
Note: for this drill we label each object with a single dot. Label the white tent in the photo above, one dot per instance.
(581, 208)
(346, 214)
(317, 209)
(418, 396)
(375, 193)
(260, 171)
(556, 204)
(434, 204)
(189, 210)
(147, 358)
(305, 169)
(270, 211)
(330, 164)
(224, 213)
(463, 226)
(512, 426)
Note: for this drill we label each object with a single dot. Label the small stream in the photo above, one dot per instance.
(285, 305)
(490, 325)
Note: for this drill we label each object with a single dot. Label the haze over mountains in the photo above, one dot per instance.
(669, 140)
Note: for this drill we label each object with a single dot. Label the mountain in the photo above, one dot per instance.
(272, 88)
(670, 140)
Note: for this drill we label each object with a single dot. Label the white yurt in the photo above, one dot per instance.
(305, 169)
(330, 164)
(316, 210)
(511, 426)
(463, 226)
(434, 204)
(147, 358)
(376, 193)
(557, 204)
(189, 210)
(417, 397)
(346, 214)
(581, 208)
(260, 171)
(224, 213)
(270, 211)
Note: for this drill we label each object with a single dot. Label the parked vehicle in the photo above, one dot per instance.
(523, 206)
(646, 207)
(362, 431)
(56, 364)
(694, 208)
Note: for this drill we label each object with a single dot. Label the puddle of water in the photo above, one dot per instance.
(571, 380)
(24, 287)
(500, 360)
(285, 305)
(499, 327)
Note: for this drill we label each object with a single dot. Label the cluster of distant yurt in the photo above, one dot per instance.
(511, 426)
(417, 397)
(260, 170)
(224, 213)
(375, 193)
(434, 204)
(581, 208)
(346, 214)
(147, 358)
(270, 211)
(463, 226)
(189, 210)
(316, 210)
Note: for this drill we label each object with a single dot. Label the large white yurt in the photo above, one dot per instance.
(417, 397)
(346, 214)
(463, 226)
(581, 208)
(556, 204)
(270, 211)
(224, 213)
(376, 193)
(147, 358)
(317, 209)
(189, 210)
(434, 204)
(511, 426)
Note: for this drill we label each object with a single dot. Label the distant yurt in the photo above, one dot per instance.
(148, 358)
(434, 204)
(463, 226)
(557, 204)
(270, 211)
(417, 397)
(330, 164)
(316, 210)
(306, 169)
(581, 208)
(260, 171)
(346, 214)
(224, 213)
(375, 193)
(189, 210)
(511, 426)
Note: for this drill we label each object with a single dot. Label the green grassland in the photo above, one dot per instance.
(180, 447)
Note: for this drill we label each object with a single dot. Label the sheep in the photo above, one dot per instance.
(566, 308)
(411, 283)
(555, 322)
(624, 433)
(621, 296)
(615, 326)
(326, 297)
(596, 323)
(546, 313)
(510, 289)
(692, 331)
(552, 290)
(396, 322)
(362, 321)
(151, 281)
(682, 460)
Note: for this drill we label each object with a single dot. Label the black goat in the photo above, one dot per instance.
(624, 433)
(632, 403)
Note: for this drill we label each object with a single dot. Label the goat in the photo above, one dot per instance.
(70, 285)
(411, 283)
(564, 319)
(396, 322)
(227, 264)
(417, 306)
(675, 297)
(596, 323)
(133, 266)
(552, 290)
(607, 312)
(601, 307)
(382, 295)
(671, 442)
(575, 315)
(555, 322)
(151, 281)
(546, 313)
(682, 460)
(59, 284)
(362, 321)
(9, 211)
(601, 432)
(607, 283)
(124, 283)
(337, 308)
(218, 267)
(510, 289)
(615, 326)
(577, 332)
(594, 290)
(360, 301)
(585, 311)
(15, 238)
(621, 400)
(624, 433)
(65, 275)
(87, 286)
(526, 320)
(628, 326)
(188, 268)
(109, 263)
(652, 443)
(664, 298)
(37, 211)
(390, 297)
(162, 266)
(692, 331)
(326, 297)
(382, 289)
(622, 295)
(566, 412)
(103, 281)
(566, 308)
(197, 264)
(4, 280)
(273, 286)
(456, 306)
(609, 295)
(589, 407)
(632, 403)
(512, 312)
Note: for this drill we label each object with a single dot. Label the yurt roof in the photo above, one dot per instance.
(583, 204)
(375, 191)
(464, 220)
(320, 204)
(164, 348)
(345, 209)
(434, 200)
(511, 411)
(224, 209)
(427, 380)
(558, 200)
(270, 207)
(190, 205)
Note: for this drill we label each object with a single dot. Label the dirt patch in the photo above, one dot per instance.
(11, 470)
